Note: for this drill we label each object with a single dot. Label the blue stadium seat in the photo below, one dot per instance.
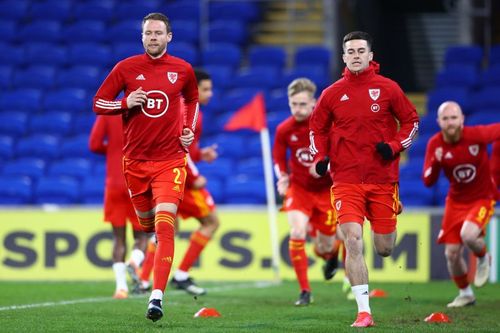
(317, 74)
(246, 11)
(412, 192)
(211, 109)
(67, 99)
(14, 9)
(231, 145)
(42, 31)
(491, 76)
(485, 98)
(51, 10)
(236, 98)
(13, 123)
(186, 31)
(417, 149)
(78, 168)
(313, 56)
(242, 189)
(86, 77)
(82, 123)
(135, 10)
(15, 56)
(441, 190)
(90, 54)
(221, 75)
(440, 95)
(86, 30)
(15, 190)
(124, 50)
(183, 10)
(46, 54)
(92, 190)
(8, 30)
(6, 146)
(126, 31)
(275, 118)
(77, 146)
(458, 76)
(261, 77)
(465, 55)
(216, 188)
(21, 100)
(222, 54)
(184, 51)
(95, 10)
(6, 77)
(252, 167)
(57, 190)
(221, 168)
(51, 122)
(482, 119)
(412, 169)
(277, 100)
(260, 55)
(428, 124)
(38, 77)
(227, 31)
(494, 55)
(31, 167)
(254, 147)
(42, 146)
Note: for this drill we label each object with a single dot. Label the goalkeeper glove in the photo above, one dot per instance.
(384, 150)
(322, 166)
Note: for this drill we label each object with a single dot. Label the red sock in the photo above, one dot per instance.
(196, 245)
(461, 281)
(299, 260)
(147, 223)
(481, 253)
(164, 256)
(147, 264)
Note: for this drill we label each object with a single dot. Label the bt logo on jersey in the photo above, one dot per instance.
(303, 155)
(156, 104)
(464, 173)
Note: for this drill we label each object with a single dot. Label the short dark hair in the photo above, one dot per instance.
(201, 75)
(358, 35)
(158, 17)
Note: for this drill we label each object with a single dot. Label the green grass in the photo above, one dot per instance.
(245, 307)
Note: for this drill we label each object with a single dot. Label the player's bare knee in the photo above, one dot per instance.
(452, 255)
(384, 251)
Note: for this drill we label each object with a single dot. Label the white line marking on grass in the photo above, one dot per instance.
(229, 287)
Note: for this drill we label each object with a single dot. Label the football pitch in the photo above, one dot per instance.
(244, 307)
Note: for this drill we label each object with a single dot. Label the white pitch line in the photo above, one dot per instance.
(261, 284)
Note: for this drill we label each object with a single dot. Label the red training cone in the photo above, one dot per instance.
(207, 312)
(437, 317)
(378, 293)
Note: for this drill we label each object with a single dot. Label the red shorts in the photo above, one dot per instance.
(154, 182)
(379, 203)
(118, 208)
(197, 203)
(316, 205)
(456, 213)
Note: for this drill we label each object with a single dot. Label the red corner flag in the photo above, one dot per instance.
(250, 116)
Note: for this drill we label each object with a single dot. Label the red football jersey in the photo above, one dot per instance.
(106, 137)
(294, 136)
(151, 131)
(465, 163)
(495, 162)
(364, 109)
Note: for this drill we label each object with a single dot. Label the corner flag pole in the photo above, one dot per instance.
(271, 201)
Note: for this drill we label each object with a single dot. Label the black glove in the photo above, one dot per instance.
(322, 166)
(384, 150)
